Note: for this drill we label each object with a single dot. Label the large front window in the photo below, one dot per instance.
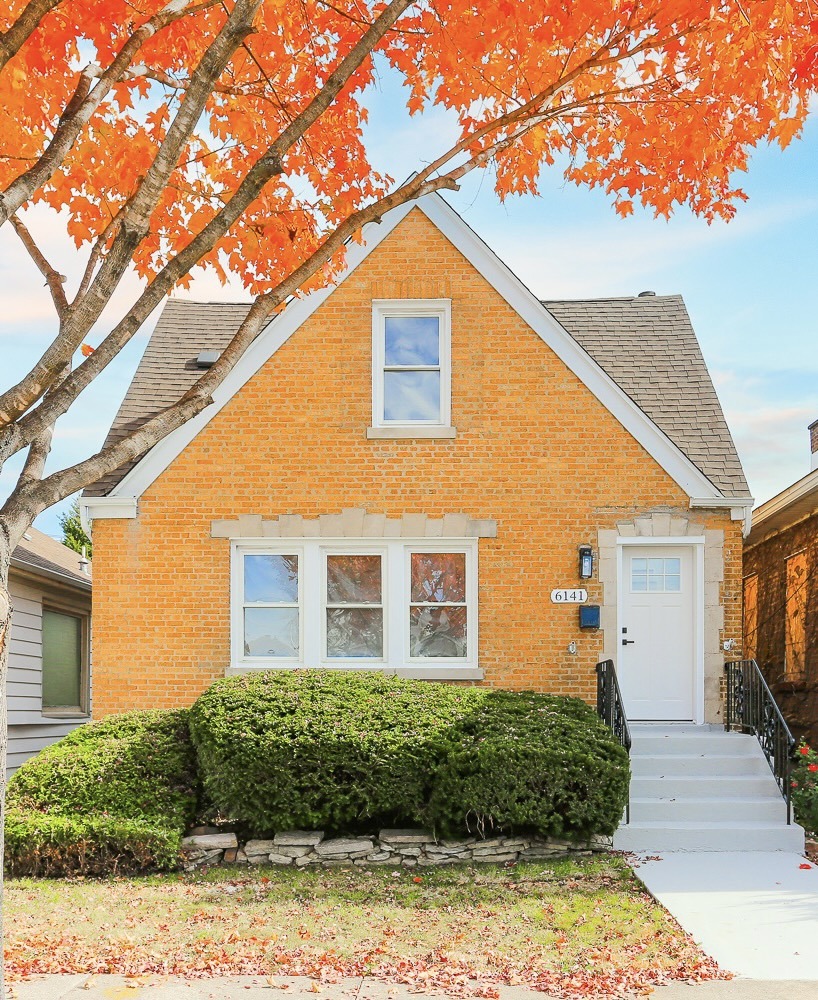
(389, 605)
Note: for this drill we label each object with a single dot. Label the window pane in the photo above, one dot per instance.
(639, 565)
(353, 579)
(271, 632)
(673, 584)
(438, 577)
(270, 579)
(411, 396)
(412, 340)
(639, 581)
(672, 567)
(655, 567)
(354, 632)
(437, 631)
(62, 660)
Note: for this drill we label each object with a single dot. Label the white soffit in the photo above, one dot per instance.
(508, 285)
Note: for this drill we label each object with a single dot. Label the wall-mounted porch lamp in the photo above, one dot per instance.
(586, 562)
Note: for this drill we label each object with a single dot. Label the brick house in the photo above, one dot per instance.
(408, 472)
(781, 597)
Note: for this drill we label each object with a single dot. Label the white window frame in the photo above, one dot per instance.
(395, 568)
(383, 309)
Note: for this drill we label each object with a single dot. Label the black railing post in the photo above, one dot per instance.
(611, 710)
(752, 708)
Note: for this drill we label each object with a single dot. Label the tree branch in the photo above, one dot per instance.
(13, 40)
(53, 279)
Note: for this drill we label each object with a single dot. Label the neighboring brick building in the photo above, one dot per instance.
(781, 597)
(382, 438)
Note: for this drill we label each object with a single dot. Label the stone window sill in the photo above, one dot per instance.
(432, 672)
(420, 431)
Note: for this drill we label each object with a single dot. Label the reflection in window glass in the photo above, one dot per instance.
(271, 632)
(62, 661)
(354, 606)
(411, 395)
(270, 579)
(412, 340)
(437, 613)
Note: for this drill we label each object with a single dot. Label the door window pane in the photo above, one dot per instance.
(271, 632)
(62, 660)
(656, 576)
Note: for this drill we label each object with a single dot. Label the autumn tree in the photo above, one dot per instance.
(228, 135)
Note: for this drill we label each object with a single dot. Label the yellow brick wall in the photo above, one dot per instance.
(534, 449)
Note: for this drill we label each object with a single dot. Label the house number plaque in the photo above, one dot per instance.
(574, 596)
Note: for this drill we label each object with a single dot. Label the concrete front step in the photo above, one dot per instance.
(675, 786)
(684, 809)
(654, 838)
(704, 764)
(688, 742)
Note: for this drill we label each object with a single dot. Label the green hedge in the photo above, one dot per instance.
(350, 752)
(112, 795)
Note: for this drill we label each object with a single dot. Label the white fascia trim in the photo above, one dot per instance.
(101, 508)
(741, 508)
(786, 497)
(275, 334)
(657, 444)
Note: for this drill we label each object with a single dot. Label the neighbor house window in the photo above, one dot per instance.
(411, 352)
(64, 662)
(795, 645)
(391, 604)
(750, 616)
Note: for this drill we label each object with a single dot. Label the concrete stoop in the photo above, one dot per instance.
(699, 788)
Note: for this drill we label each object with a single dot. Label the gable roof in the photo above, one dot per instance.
(602, 341)
(42, 555)
(647, 345)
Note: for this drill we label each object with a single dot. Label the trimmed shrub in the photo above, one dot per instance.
(112, 795)
(350, 752)
(339, 751)
(49, 845)
(535, 763)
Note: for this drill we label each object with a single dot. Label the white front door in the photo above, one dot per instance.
(656, 640)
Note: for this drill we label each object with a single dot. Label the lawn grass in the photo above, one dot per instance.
(574, 927)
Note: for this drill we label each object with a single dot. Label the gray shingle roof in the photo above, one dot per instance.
(645, 344)
(39, 552)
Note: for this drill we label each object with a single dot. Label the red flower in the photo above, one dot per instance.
(812, 767)
(794, 784)
(804, 750)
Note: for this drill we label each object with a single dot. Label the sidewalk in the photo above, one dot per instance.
(296, 988)
(755, 913)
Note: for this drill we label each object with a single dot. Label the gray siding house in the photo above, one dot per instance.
(49, 689)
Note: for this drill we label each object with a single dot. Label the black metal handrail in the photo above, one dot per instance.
(752, 708)
(611, 710)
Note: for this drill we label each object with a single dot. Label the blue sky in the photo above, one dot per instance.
(751, 286)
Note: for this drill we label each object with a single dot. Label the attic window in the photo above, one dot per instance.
(411, 368)
(206, 359)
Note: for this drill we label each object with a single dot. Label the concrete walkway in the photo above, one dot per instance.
(296, 988)
(755, 913)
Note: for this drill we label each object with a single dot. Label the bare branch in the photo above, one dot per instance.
(13, 40)
(53, 279)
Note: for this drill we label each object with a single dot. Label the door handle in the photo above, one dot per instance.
(628, 642)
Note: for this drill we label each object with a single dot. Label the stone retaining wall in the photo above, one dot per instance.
(391, 847)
